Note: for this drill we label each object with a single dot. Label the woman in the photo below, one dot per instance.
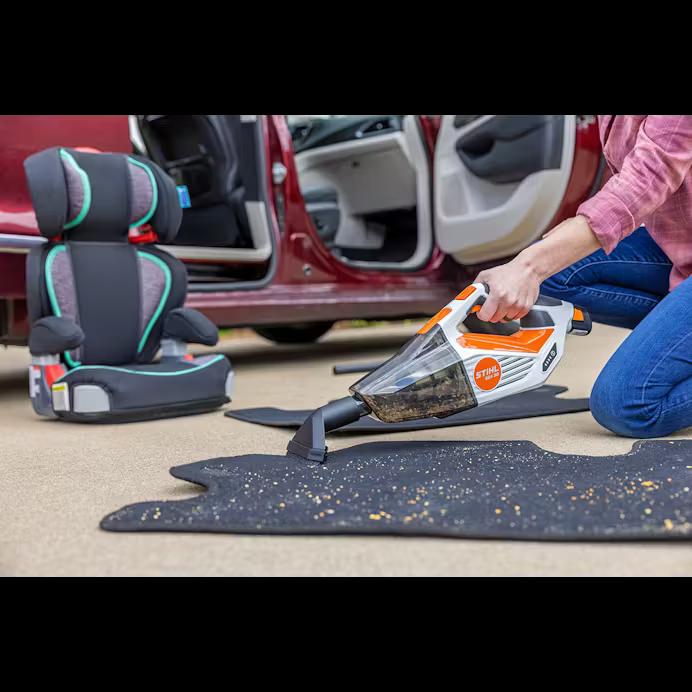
(626, 257)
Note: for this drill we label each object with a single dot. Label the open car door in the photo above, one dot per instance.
(499, 181)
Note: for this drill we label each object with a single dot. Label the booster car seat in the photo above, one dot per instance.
(101, 308)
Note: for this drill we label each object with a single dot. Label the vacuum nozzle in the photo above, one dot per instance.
(310, 441)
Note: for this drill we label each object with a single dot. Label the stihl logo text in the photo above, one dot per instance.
(487, 374)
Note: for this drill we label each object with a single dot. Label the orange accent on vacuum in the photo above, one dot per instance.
(525, 341)
(466, 293)
(438, 318)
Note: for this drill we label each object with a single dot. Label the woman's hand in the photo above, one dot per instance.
(514, 290)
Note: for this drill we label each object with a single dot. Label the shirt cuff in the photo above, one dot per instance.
(609, 218)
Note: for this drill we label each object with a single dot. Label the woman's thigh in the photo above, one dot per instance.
(619, 289)
(645, 390)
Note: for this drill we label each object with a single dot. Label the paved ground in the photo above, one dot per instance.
(59, 480)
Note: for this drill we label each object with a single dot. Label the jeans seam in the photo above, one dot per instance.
(682, 402)
(608, 261)
(586, 289)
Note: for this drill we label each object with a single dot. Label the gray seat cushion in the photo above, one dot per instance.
(162, 389)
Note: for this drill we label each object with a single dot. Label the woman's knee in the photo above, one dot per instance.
(614, 408)
(606, 411)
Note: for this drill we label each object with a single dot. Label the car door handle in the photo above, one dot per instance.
(512, 128)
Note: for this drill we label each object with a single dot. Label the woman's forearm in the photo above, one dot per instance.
(514, 287)
(569, 242)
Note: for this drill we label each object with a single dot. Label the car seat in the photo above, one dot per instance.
(101, 308)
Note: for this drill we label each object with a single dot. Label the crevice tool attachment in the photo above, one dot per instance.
(310, 441)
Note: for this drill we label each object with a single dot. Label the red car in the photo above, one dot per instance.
(296, 222)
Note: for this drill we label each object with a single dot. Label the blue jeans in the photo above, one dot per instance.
(645, 390)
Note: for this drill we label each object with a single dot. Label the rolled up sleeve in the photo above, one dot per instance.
(651, 173)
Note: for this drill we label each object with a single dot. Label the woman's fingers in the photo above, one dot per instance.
(489, 309)
(496, 305)
(524, 308)
(499, 308)
(514, 314)
(512, 294)
(496, 308)
(501, 313)
(483, 278)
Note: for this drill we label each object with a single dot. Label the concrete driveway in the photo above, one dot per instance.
(59, 480)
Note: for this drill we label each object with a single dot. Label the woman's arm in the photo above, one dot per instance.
(652, 172)
(514, 287)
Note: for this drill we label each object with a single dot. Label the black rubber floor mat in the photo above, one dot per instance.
(539, 402)
(510, 490)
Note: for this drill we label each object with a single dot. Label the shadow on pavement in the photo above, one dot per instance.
(13, 382)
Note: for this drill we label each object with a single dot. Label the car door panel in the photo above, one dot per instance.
(499, 181)
(508, 149)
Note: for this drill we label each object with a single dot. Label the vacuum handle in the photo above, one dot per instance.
(541, 315)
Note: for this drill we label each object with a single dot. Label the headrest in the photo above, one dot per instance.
(99, 197)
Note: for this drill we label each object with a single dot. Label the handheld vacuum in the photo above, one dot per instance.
(445, 370)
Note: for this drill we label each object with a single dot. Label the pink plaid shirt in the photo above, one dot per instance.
(650, 162)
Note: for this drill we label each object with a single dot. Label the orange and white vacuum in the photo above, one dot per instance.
(445, 369)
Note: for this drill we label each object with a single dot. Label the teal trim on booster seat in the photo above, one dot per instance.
(155, 193)
(86, 186)
(148, 374)
(164, 297)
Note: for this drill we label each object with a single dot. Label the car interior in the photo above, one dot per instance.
(214, 157)
(366, 184)
(365, 180)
